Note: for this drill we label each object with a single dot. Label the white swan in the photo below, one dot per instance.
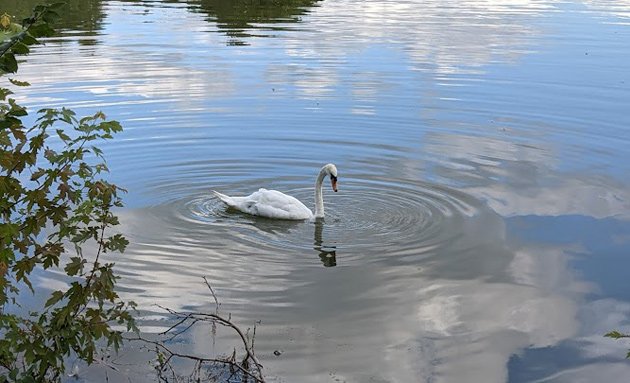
(274, 204)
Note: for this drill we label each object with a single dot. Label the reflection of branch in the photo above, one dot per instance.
(249, 366)
(203, 317)
(163, 364)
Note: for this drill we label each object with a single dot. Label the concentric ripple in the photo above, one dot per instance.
(369, 220)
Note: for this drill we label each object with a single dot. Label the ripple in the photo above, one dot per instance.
(369, 220)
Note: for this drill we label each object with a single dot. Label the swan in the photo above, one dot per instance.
(274, 204)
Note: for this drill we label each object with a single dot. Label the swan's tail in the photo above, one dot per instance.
(226, 199)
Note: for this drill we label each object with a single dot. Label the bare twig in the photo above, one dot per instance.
(216, 301)
(249, 367)
(171, 354)
(106, 364)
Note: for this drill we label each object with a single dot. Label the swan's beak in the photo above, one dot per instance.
(333, 182)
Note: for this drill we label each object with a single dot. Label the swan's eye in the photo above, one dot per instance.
(333, 178)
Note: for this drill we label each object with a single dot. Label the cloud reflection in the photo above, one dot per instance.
(125, 67)
(459, 315)
(440, 38)
(393, 323)
(520, 179)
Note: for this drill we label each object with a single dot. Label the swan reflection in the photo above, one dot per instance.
(327, 254)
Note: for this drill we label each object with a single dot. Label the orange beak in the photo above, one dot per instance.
(333, 182)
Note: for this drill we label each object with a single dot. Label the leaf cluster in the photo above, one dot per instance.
(15, 39)
(54, 203)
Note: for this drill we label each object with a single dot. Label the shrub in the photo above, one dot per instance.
(54, 204)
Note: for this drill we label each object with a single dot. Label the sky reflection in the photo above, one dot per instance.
(495, 130)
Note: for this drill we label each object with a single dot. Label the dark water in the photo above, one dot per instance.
(481, 232)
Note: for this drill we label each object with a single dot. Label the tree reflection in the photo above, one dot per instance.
(82, 15)
(237, 17)
(327, 254)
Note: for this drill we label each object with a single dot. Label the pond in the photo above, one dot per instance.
(481, 230)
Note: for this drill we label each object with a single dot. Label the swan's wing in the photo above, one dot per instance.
(268, 203)
(274, 204)
(243, 204)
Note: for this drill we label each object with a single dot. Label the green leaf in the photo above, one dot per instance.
(41, 30)
(29, 40)
(37, 174)
(20, 48)
(4, 92)
(50, 155)
(23, 268)
(84, 235)
(7, 123)
(50, 16)
(110, 126)
(63, 136)
(4, 138)
(17, 110)
(54, 298)
(68, 116)
(97, 152)
(616, 335)
(74, 266)
(19, 83)
(6, 255)
(8, 63)
(9, 230)
(117, 243)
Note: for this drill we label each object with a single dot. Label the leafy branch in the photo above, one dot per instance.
(53, 197)
(33, 27)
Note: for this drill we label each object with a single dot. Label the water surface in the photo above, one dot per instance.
(481, 229)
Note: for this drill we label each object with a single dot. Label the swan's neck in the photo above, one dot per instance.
(319, 199)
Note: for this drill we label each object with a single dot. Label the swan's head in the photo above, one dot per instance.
(331, 170)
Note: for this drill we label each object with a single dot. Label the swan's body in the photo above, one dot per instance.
(274, 204)
(268, 203)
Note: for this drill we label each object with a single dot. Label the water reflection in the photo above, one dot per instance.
(519, 179)
(476, 301)
(388, 33)
(240, 19)
(435, 285)
(86, 16)
(327, 253)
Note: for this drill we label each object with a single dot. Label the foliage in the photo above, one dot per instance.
(15, 39)
(52, 199)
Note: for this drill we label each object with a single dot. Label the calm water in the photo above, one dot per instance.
(481, 232)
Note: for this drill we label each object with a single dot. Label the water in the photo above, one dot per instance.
(481, 229)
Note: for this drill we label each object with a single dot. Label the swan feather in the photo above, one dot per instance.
(275, 204)
(268, 203)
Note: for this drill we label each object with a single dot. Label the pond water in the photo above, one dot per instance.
(481, 230)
